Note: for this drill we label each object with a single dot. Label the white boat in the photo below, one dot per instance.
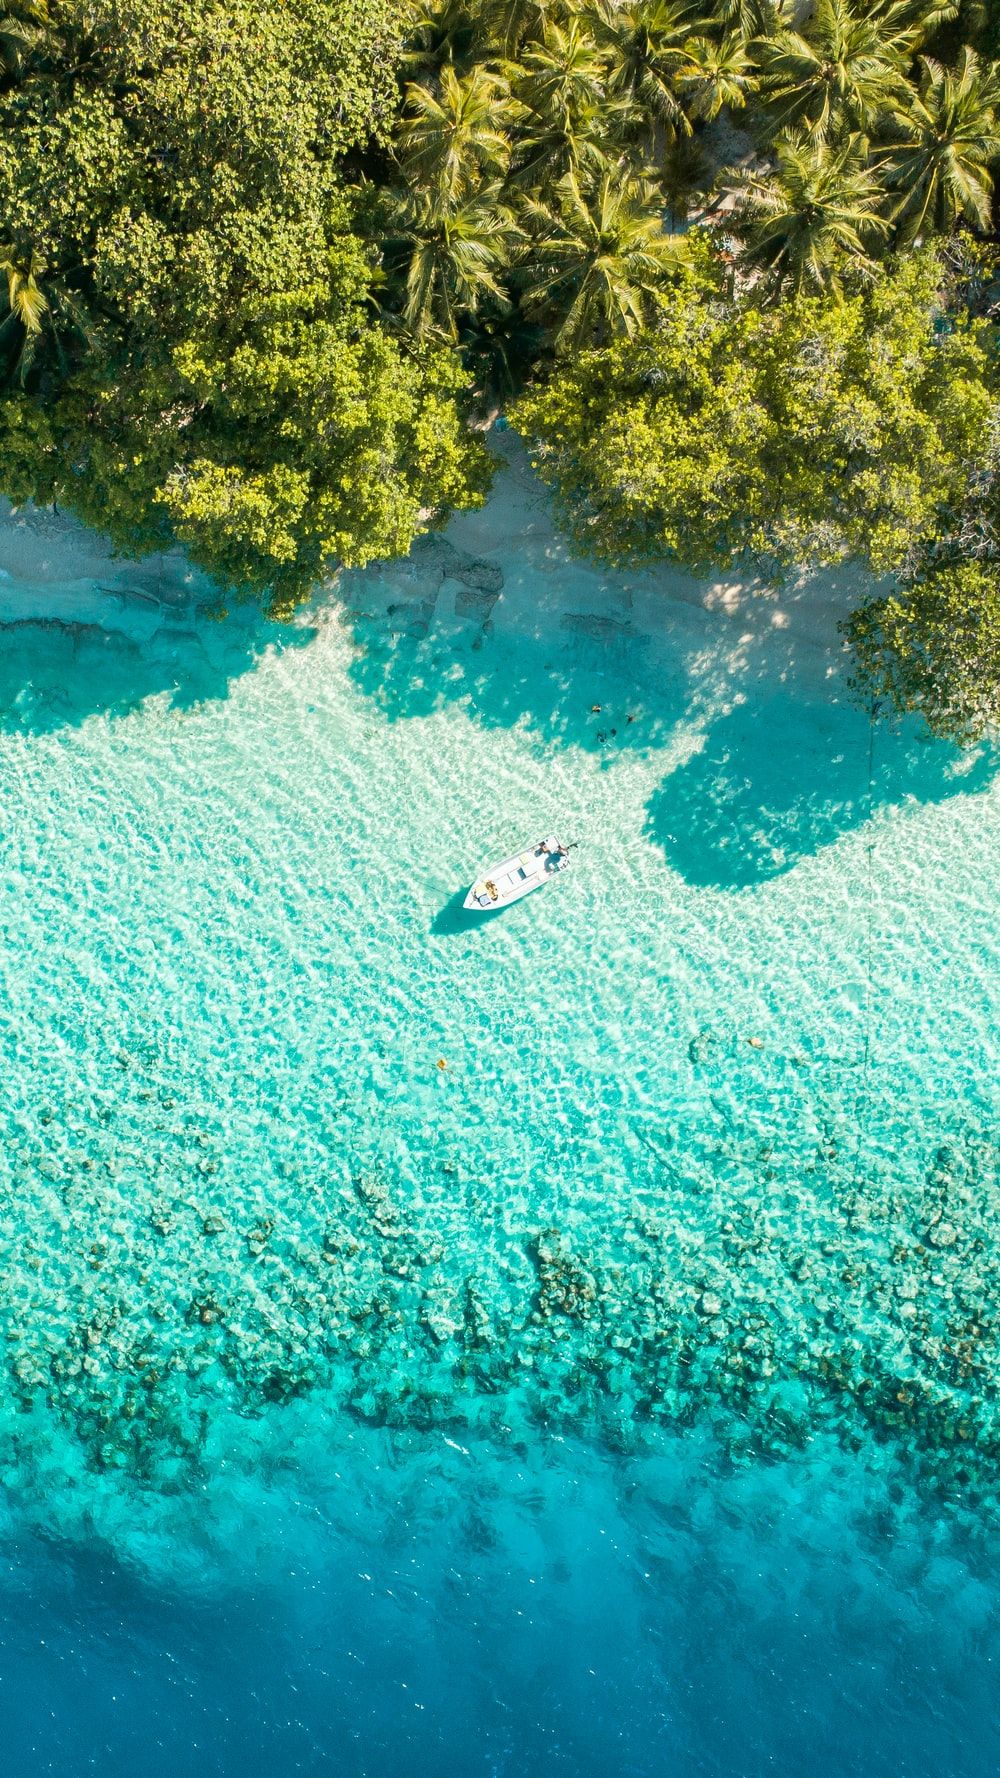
(515, 877)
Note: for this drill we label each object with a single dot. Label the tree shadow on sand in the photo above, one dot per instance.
(777, 781)
(55, 674)
(587, 685)
(778, 777)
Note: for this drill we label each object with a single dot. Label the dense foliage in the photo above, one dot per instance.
(193, 349)
(265, 263)
(805, 431)
(524, 121)
(935, 647)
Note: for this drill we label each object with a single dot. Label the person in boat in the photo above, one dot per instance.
(553, 855)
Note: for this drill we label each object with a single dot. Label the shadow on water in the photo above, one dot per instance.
(775, 779)
(763, 785)
(55, 674)
(454, 918)
(776, 782)
(588, 688)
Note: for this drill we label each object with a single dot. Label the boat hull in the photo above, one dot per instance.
(517, 877)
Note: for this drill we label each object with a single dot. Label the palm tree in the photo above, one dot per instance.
(26, 300)
(715, 72)
(919, 19)
(945, 140)
(570, 120)
(979, 24)
(512, 24)
(458, 250)
(24, 27)
(752, 18)
(687, 173)
(646, 41)
(564, 73)
(440, 34)
(817, 212)
(603, 254)
(455, 136)
(501, 348)
(27, 304)
(842, 71)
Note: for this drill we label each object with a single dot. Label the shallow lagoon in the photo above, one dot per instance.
(684, 1255)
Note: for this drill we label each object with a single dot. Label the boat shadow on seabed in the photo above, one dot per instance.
(454, 917)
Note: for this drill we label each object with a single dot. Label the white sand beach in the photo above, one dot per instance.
(505, 565)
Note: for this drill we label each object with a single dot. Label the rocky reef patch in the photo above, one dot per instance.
(144, 1287)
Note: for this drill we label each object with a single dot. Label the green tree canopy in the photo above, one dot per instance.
(802, 433)
(816, 213)
(260, 258)
(208, 362)
(944, 141)
(934, 648)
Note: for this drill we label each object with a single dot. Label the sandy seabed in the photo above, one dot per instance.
(703, 1137)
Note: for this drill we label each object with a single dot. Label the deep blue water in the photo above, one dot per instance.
(566, 1614)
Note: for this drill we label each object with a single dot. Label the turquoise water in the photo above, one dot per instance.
(566, 1340)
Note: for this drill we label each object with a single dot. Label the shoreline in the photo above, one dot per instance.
(55, 570)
